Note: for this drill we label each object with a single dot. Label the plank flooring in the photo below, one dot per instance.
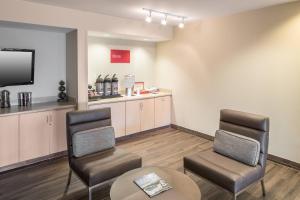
(161, 148)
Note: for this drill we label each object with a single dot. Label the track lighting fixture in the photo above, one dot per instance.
(181, 24)
(149, 17)
(164, 20)
(165, 16)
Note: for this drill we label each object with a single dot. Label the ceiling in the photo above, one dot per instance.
(193, 9)
(6, 24)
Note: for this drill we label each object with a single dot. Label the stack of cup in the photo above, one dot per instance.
(24, 98)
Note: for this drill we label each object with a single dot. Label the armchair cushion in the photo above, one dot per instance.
(223, 171)
(105, 165)
(238, 147)
(93, 140)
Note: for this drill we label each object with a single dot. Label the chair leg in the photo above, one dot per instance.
(90, 193)
(69, 181)
(263, 187)
(234, 197)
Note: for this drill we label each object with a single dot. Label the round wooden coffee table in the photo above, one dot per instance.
(183, 187)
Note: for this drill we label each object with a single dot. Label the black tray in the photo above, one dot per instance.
(96, 98)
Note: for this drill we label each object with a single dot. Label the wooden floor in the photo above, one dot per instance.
(163, 148)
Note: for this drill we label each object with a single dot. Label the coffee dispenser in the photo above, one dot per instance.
(100, 85)
(107, 86)
(114, 85)
(5, 99)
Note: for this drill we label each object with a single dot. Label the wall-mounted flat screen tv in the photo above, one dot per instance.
(16, 67)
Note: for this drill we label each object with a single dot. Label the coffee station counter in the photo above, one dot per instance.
(124, 98)
(38, 107)
(135, 114)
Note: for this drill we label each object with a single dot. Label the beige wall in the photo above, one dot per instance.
(142, 60)
(248, 62)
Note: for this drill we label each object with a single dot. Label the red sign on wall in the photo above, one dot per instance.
(119, 56)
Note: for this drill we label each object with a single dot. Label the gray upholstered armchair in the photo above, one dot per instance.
(91, 149)
(228, 173)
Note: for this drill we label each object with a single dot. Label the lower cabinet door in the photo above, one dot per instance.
(58, 138)
(117, 116)
(9, 140)
(162, 111)
(147, 114)
(34, 135)
(133, 116)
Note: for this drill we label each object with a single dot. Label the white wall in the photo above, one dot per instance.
(248, 62)
(50, 60)
(142, 59)
(35, 13)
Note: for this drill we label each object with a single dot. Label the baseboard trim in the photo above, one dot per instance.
(134, 136)
(271, 157)
(284, 161)
(197, 133)
(32, 162)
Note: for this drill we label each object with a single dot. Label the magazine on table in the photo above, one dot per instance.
(152, 184)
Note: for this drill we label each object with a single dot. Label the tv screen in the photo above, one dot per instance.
(16, 67)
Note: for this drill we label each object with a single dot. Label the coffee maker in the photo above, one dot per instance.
(5, 100)
(129, 84)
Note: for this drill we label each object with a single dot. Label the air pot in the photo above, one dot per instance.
(114, 85)
(100, 85)
(107, 86)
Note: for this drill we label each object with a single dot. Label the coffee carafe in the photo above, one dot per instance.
(5, 100)
(99, 85)
(114, 85)
(107, 86)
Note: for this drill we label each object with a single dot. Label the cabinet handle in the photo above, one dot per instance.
(141, 106)
(47, 120)
(50, 120)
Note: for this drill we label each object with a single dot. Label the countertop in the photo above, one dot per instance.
(131, 98)
(36, 108)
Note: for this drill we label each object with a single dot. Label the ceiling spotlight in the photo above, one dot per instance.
(181, 24)
(149, 18)
(164, 20)
(164, 16)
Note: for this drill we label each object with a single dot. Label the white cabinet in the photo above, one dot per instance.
(162, 111)
(32, 135)
(9, 140)
(133, 117)
(42, 133)
(117, 116)
(139, 115)
(147, 114)
(35, 131)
